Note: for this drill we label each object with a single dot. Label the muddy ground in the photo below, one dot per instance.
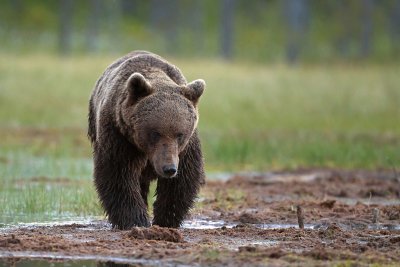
(349, 216)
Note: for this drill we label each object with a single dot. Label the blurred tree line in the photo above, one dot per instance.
(256, 30)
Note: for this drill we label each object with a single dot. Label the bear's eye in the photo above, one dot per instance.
(154, 136)
(179, 137)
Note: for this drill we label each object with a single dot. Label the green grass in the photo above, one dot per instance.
(252, 117)
(34, 188)
(27, 202)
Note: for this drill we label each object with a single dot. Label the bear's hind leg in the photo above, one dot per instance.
(144, 190)
(147, 176)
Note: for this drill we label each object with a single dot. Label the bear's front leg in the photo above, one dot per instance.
(175, 196)
(118, 187)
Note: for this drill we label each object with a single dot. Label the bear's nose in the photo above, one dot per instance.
(169, 170)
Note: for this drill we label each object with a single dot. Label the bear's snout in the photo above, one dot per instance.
(165, 159)
(170, 170)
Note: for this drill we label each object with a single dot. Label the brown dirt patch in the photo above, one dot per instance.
(156, 233)
(339, 210)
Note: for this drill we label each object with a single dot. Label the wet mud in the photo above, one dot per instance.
(348, 216)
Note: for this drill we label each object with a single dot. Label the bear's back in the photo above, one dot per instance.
(137, 61)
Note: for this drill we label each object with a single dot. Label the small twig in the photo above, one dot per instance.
(375, 215)
(369, 200)
(300, 217)
(396, 174)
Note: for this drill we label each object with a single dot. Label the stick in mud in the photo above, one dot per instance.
(375, 215)
(300, 217)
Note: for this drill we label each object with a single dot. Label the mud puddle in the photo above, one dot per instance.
(57, 259)
(199, 224)
(98, 223)
(349, 217)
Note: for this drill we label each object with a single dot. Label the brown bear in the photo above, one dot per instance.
(143, 125)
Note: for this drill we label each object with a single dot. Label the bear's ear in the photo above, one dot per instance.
(138, 87)
(194, 90)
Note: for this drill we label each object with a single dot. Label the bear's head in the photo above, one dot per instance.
(161, 120)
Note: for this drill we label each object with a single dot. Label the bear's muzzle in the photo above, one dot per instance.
(170, 170)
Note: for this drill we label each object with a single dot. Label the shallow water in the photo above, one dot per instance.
(61, 260)
(56, 221)
(95, 223)
(98, 223)
(206, 224)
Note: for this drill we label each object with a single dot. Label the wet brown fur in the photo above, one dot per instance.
(139, 123)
